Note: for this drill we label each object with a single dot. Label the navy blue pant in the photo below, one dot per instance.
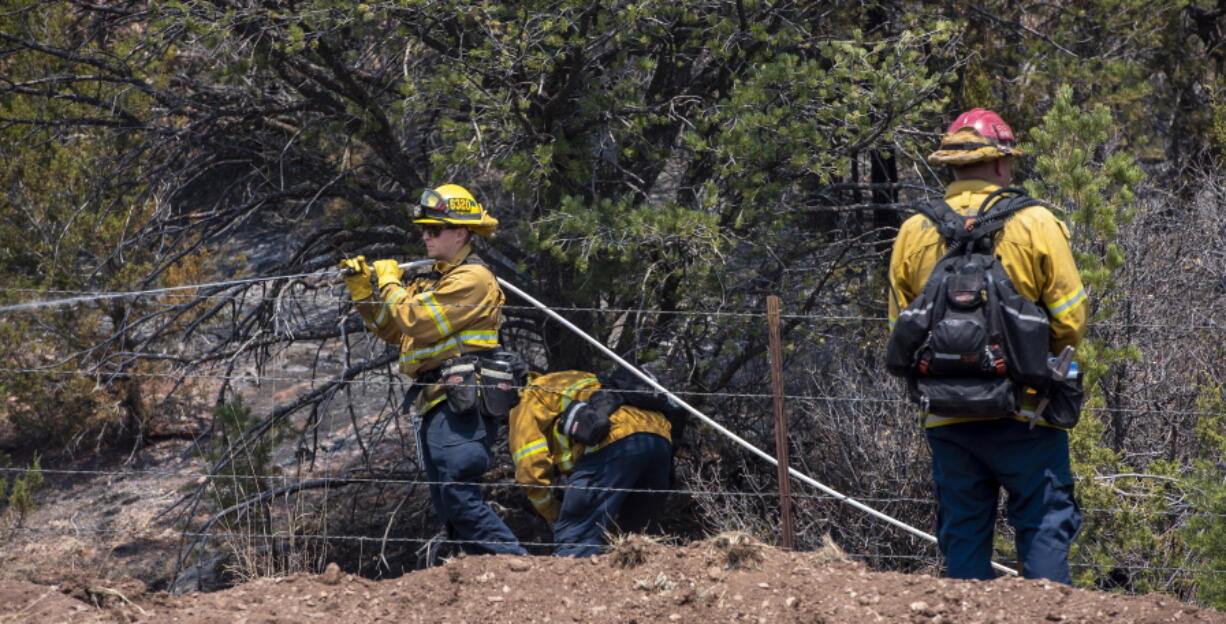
(970, 463)
(455, 450)
(638, 461)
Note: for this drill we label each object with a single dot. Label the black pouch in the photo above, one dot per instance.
(502, 374)
(459, 377)
(584, 423)
(966, 397)
(1064, 403)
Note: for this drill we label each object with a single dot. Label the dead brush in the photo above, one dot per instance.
(829, 552)
(631, 551)
(739, 550)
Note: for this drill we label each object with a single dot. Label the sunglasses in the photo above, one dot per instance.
(433, 231)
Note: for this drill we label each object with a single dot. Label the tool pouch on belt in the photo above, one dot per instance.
(502, 372)
(966, 397)
(1064, 408)
(459, 377)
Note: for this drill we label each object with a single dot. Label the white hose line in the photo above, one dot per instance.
(720, 428)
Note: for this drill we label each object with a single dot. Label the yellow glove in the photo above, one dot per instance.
(388, 272)
(357, 277)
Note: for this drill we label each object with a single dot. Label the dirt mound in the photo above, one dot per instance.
(727, 578)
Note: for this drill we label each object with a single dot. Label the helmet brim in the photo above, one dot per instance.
(967, 147)
(969, 157)
(483, 229)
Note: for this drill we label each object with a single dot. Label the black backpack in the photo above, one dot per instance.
(970, 344)
(633, 391)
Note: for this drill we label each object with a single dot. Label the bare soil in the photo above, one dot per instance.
(729, 578)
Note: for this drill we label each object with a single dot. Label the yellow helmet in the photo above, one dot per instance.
(452, 204)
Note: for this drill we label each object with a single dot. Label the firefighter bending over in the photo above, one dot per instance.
(568, 431)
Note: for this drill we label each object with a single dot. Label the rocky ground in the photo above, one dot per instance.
(729, 578)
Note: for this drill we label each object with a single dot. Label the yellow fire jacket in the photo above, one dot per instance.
(541, 453)
(455, 309)
(1033, 247)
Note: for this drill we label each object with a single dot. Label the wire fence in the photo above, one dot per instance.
(364, 382)
(383, 540)
(186, 294)
(75, 296)
(491, 484)
(407, 481)
(299, 537)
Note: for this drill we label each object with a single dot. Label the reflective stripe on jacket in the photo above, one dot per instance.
(1033, 247)
(454, 310)
(540, 452)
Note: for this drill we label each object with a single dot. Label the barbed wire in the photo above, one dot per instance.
(98, 295)
(1137, 568)
(326, 299)
(319, 298)
(302, 537)
(769, 494)
(684, 393)
(272, 536)
(169, 533)
(406, 383)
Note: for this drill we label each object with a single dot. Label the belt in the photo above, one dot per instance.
(431, 376)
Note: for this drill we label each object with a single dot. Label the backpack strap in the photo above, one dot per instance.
(991, 217)
(472, 258)
(948, 222)
(962, 232)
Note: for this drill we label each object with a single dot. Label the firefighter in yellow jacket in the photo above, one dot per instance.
(566, 429)
(436, 318)
(973, 457)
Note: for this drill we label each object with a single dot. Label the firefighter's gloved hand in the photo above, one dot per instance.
(388, 272)
(583, 424)
(357, 277)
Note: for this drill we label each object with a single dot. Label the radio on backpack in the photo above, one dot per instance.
(970, 343)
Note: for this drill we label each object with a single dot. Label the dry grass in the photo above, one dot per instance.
(631, 551)
(738, 550)
(829, 552)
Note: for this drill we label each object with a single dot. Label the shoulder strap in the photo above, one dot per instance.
(472, 258)
(950, 225)
(992, 217)
(963, 232)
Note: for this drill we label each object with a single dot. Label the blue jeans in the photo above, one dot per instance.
(970, 463)
(638, 461)
(455, 450)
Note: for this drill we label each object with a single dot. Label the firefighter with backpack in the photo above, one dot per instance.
(986, 307)
(445, 322)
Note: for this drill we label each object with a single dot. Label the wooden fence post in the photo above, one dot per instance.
(781, 422)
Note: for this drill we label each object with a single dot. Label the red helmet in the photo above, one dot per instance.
(976, 136)
(985, 122)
